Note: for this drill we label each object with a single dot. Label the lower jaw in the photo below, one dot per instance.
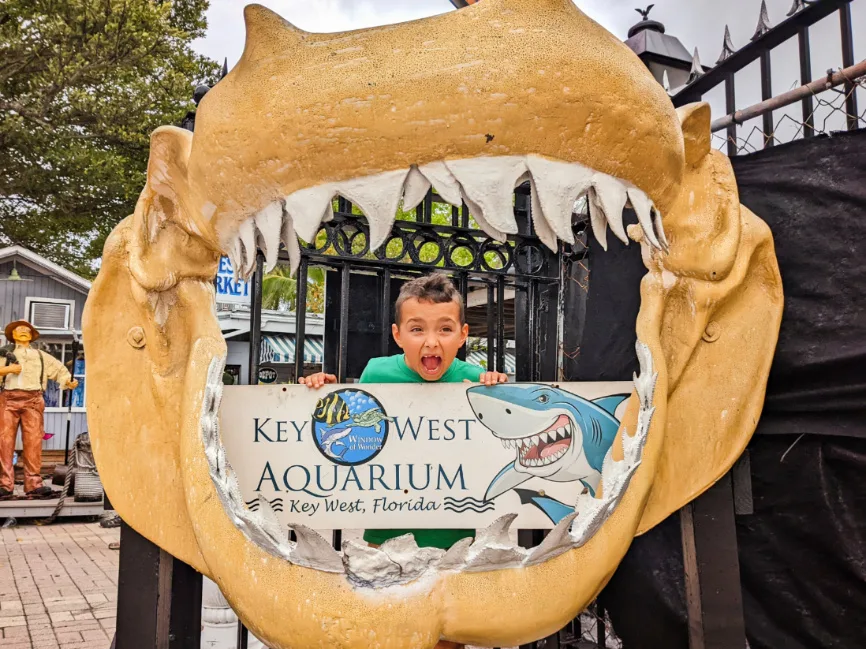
(290, 606)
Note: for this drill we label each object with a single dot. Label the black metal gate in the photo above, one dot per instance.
(515, 284)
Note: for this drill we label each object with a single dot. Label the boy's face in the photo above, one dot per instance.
(430, 335)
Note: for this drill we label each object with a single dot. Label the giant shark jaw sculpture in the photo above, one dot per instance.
(474, 102)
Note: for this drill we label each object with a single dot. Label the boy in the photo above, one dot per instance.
(430, 328)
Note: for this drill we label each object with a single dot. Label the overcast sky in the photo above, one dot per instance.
(697, 23)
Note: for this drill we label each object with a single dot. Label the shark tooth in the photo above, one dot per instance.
(591, 514)
(611, 196)
(413, 561)
(490, 183)
(478, 215)
(645, 382)
(313, 551)
(378, 197)
(633, 446)
(455, 557)
(445, 184)
(598, 221)
(557, 542)
(247, 234)
(493, 547)
(368, 566)
(269, 521)
(495, 558)
(542, 227)
(415, 190)
(290, 240)
(233, 488)
(496, 533)
(220, 463)
(660, 229)
(559, 185)
(309, 208)
(235, 257)
(643, 208)
(269, 222)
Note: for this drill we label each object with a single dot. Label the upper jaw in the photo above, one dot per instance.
(486, 184)
(505, 79)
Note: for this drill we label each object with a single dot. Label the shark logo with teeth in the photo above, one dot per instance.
(557, 435)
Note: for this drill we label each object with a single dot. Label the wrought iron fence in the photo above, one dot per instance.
(818, 106)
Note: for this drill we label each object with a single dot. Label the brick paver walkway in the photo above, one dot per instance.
(58, 586)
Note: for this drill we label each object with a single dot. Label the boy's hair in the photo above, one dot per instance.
(436, 288)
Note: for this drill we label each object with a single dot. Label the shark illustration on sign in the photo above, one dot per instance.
(333, 438)
(556, 435)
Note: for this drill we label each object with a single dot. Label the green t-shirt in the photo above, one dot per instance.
(393, 369)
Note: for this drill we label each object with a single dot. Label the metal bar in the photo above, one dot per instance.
(385, 313)
(532, 328)
(464, 216)
(714, 598)
(185, 625)
(463, 286)
(158, 597)
(731, 108)
(256, 320)
(601, 628)
(500, 330)
(805, 77)
(243, 636)
(300, 317)
(343, 355)
(374, 266)
(851, 73)
(848, 61)
(752, 51)
(428, 208)
(455, 216)
(491, 325)
(767, 93)
(69, 410)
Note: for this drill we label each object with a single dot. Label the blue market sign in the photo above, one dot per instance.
(227, 288)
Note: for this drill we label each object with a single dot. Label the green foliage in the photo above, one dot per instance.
(83, 83)
(280, 290)
(441, 215)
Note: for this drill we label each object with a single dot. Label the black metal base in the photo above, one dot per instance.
(159, 598)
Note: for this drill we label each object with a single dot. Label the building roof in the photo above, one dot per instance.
(45, 265)
(650, 42)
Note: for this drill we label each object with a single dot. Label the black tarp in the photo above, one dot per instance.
(803, 550)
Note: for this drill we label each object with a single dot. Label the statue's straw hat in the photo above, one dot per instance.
(34, 332)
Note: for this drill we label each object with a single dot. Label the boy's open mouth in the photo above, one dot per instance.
(431, 364)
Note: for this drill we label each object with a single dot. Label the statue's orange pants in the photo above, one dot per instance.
(25, 407)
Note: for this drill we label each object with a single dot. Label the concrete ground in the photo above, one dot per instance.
(58, 586)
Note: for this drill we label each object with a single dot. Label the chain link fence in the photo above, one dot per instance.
(830, 114)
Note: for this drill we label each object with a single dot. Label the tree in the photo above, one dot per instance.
(280, 289)
(83, 83)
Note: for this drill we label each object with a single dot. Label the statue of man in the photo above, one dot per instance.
(24, 380)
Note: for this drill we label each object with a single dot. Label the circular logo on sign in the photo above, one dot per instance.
(267, 375)
(350, 426)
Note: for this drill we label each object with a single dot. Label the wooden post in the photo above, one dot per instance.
(714, 600)
(158, 600)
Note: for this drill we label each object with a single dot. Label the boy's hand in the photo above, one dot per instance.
(492, 378)
(315, 381)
